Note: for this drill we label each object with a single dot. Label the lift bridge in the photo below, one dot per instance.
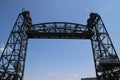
(12, 60)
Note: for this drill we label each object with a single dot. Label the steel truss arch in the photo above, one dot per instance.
(62, 30)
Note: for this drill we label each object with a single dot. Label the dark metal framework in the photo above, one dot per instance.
(106, 60)
(61, 30)
(12, 60)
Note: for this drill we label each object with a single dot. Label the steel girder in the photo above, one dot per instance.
(59, 30)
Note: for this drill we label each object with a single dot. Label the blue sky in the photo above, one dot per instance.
(60, 59)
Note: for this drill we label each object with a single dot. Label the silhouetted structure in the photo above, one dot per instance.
(12, 60)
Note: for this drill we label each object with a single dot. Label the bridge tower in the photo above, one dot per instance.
(106, 60)
(12, 60)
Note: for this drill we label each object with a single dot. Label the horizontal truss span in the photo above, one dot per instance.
(59, 30)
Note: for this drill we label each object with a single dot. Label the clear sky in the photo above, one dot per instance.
(60, 59)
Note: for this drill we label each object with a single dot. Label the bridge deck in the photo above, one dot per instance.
(34, 34)
(61, 30)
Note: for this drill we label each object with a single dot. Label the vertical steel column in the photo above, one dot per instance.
(106, 60)
(12, 61)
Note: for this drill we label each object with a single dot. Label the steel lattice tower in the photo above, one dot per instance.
(12, 60)
(106, 60)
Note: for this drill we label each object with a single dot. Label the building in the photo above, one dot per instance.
(93, 78)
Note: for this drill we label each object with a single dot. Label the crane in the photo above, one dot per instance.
(12, 60)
